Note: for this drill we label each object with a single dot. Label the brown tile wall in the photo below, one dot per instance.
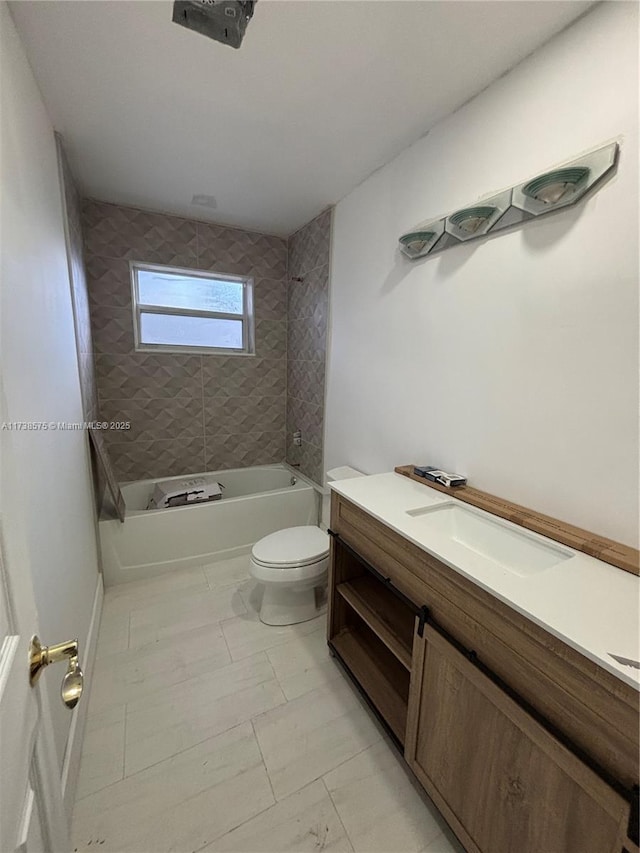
(188, 413)
(307, 311)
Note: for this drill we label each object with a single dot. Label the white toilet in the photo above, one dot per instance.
(293, 563)
(290, 563)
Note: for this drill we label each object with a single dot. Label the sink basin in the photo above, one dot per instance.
(516, 550)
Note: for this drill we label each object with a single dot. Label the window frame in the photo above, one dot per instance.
(247, 317)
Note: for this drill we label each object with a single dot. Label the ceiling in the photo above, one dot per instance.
(319, 95)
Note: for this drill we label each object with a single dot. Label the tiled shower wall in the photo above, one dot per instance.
(188, 413)
(308, 303)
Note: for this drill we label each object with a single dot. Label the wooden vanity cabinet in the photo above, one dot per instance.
(505, 727)
(504, 782)
(371, 629)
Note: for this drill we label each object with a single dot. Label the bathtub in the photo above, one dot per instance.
(256, 501)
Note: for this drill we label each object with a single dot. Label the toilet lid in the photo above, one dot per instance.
(293, 546)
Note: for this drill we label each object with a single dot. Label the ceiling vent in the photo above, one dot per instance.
(222, 20)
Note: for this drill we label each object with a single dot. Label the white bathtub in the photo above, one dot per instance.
(256, 501)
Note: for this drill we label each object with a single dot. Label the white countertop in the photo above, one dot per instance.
(590, 605)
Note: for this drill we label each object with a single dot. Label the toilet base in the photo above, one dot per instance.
(288, 606)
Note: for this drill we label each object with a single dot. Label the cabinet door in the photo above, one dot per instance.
(504, 783)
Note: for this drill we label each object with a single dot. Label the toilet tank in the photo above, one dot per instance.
(344, 472)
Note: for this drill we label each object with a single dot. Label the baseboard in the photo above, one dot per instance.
(73, 751)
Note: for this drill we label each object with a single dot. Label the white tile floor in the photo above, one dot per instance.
(208, 730)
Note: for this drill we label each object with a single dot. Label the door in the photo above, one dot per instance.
(506, 781)
(31, 811)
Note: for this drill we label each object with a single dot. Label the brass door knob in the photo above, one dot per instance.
(41, 656)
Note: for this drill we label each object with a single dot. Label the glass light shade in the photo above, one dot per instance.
(556, 186)
(472, 218)
(417, 241)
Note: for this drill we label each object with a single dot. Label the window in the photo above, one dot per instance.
(180, 310)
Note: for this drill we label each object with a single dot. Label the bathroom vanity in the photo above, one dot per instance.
(485, 651)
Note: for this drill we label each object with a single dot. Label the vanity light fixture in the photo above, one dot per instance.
(416, 242)
(565, 185)
(422, 239)
(472, 219)
(471, 222)
(552, 187)
(548, 191)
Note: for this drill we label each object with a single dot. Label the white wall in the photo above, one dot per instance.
(40, 371)
(513, 360)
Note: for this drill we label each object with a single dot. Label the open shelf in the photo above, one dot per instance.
(388, 617)
(379, 673)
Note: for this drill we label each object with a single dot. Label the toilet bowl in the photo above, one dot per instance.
(291, 564)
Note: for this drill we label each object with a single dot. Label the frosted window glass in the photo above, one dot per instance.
(176, 330)
(182, 291)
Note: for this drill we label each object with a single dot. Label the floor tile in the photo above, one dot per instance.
(304, 822)
(303, 664)
(171, 720)
(228, 572)
(251, 592)
(184, 612)
(122, 598)
(113, 634)
(246, 634)
(129, 675)
(102, 761)
(163, 584)
(313, 734)
(445, 843)
(181, 804)
(379, 803)
(208, 729)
